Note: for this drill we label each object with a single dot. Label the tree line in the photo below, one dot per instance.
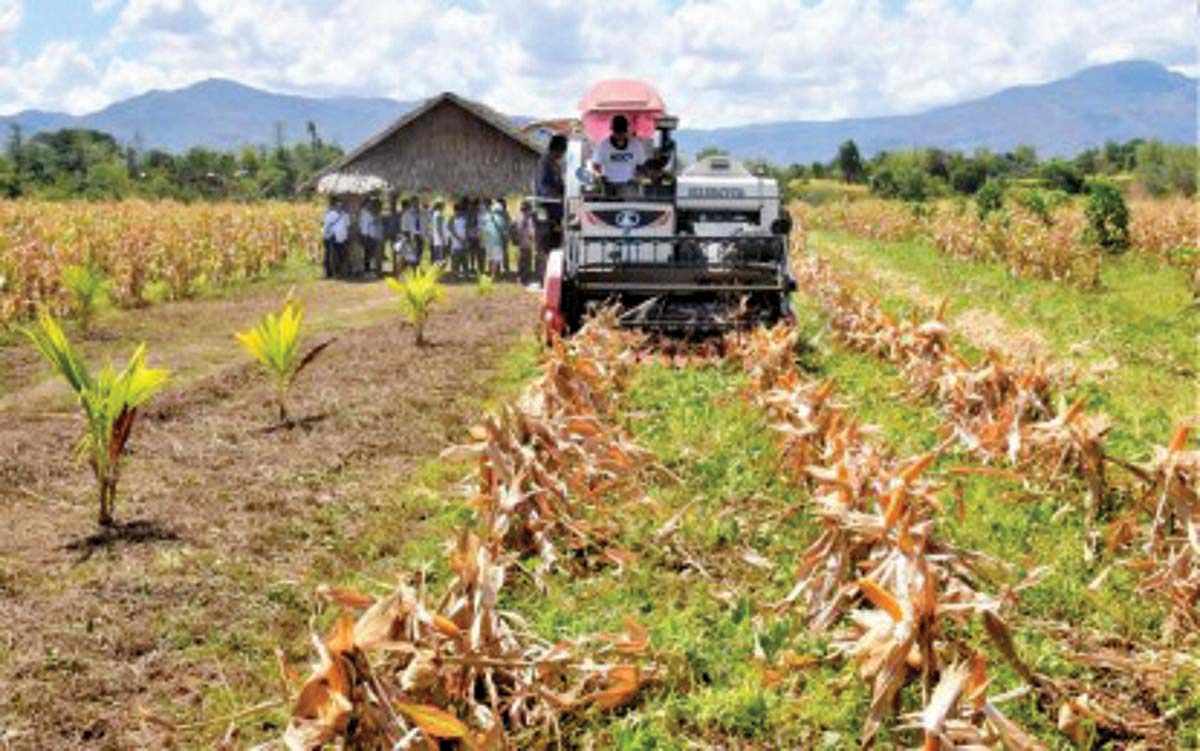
(1155, 167)
(76, 163)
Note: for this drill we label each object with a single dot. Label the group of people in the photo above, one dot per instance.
(472, 236)
(469, 237)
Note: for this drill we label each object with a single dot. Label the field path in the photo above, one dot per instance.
(226, 522)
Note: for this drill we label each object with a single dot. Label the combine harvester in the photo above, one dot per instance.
(692, 252)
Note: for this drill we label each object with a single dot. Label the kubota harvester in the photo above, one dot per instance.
(694, 250)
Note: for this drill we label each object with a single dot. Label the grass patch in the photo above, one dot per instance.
(1015, 522)
(1140, 326)
(704, 605)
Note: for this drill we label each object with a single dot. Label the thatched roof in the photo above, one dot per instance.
(340, 183)
(448, 144)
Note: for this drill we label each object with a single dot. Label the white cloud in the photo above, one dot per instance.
(61, 67)
(716, 61)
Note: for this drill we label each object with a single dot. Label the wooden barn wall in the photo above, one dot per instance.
(449, 150)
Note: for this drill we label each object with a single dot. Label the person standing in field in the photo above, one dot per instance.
(526, 239)
(437, 233)
(457, 232)
(410, 253)
(370, 232)
(426, 219)
(509, 235)
(336, 232)
(549, 188)
(494, 232)
(391, 231)
(474, 217)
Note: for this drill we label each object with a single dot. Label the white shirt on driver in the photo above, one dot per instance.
(619, 166)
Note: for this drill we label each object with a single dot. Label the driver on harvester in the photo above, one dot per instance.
(618, 157)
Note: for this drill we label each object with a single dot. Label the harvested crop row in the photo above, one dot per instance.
(879, 545)
(180, 248)
(999, 412)
(414, 669)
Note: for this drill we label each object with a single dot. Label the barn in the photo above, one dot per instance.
(448, 145)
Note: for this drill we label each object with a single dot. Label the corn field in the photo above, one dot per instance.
(178, 248)
(1051, 246)
(555, 471)
(414, 669)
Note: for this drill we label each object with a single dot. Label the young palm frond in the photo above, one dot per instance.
(419, 290)
(109, 401)
(89, 289)
(486, 285)
(275, 343)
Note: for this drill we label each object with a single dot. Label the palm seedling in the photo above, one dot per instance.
(109, 401)
(419, 290)
(486, 285)
(88, 287)
(275, 343)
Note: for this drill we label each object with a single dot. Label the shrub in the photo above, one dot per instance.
(1035, 202)
(88, 287)
(1107, 217)
(109, 402)
(419, 290)
(1060, 175)
(275, 343)
(968, 177)
(989, 198)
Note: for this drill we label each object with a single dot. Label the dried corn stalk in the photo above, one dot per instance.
(412, 671)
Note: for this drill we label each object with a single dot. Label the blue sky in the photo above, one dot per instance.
(60, 19)
(716, 61)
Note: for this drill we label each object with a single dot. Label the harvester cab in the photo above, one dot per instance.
(696, 250)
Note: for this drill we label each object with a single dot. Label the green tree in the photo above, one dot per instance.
(1107, 217)
(10, 181)
(1024, 159)
(1163, 168)
(849, 162)
(968, 176)
(1058, 174)
(989, 198)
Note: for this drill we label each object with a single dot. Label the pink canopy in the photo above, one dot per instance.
(636, 100)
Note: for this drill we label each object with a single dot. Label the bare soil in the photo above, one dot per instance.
(225, 517)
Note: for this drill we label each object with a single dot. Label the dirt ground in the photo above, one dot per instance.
(220, 515)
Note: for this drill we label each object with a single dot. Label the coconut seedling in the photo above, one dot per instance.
(275, 343)
(88, 288)
(486, 285)
(418, 291)
(109, 401)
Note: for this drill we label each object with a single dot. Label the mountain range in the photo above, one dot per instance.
(1117, 101)
(223, 114)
